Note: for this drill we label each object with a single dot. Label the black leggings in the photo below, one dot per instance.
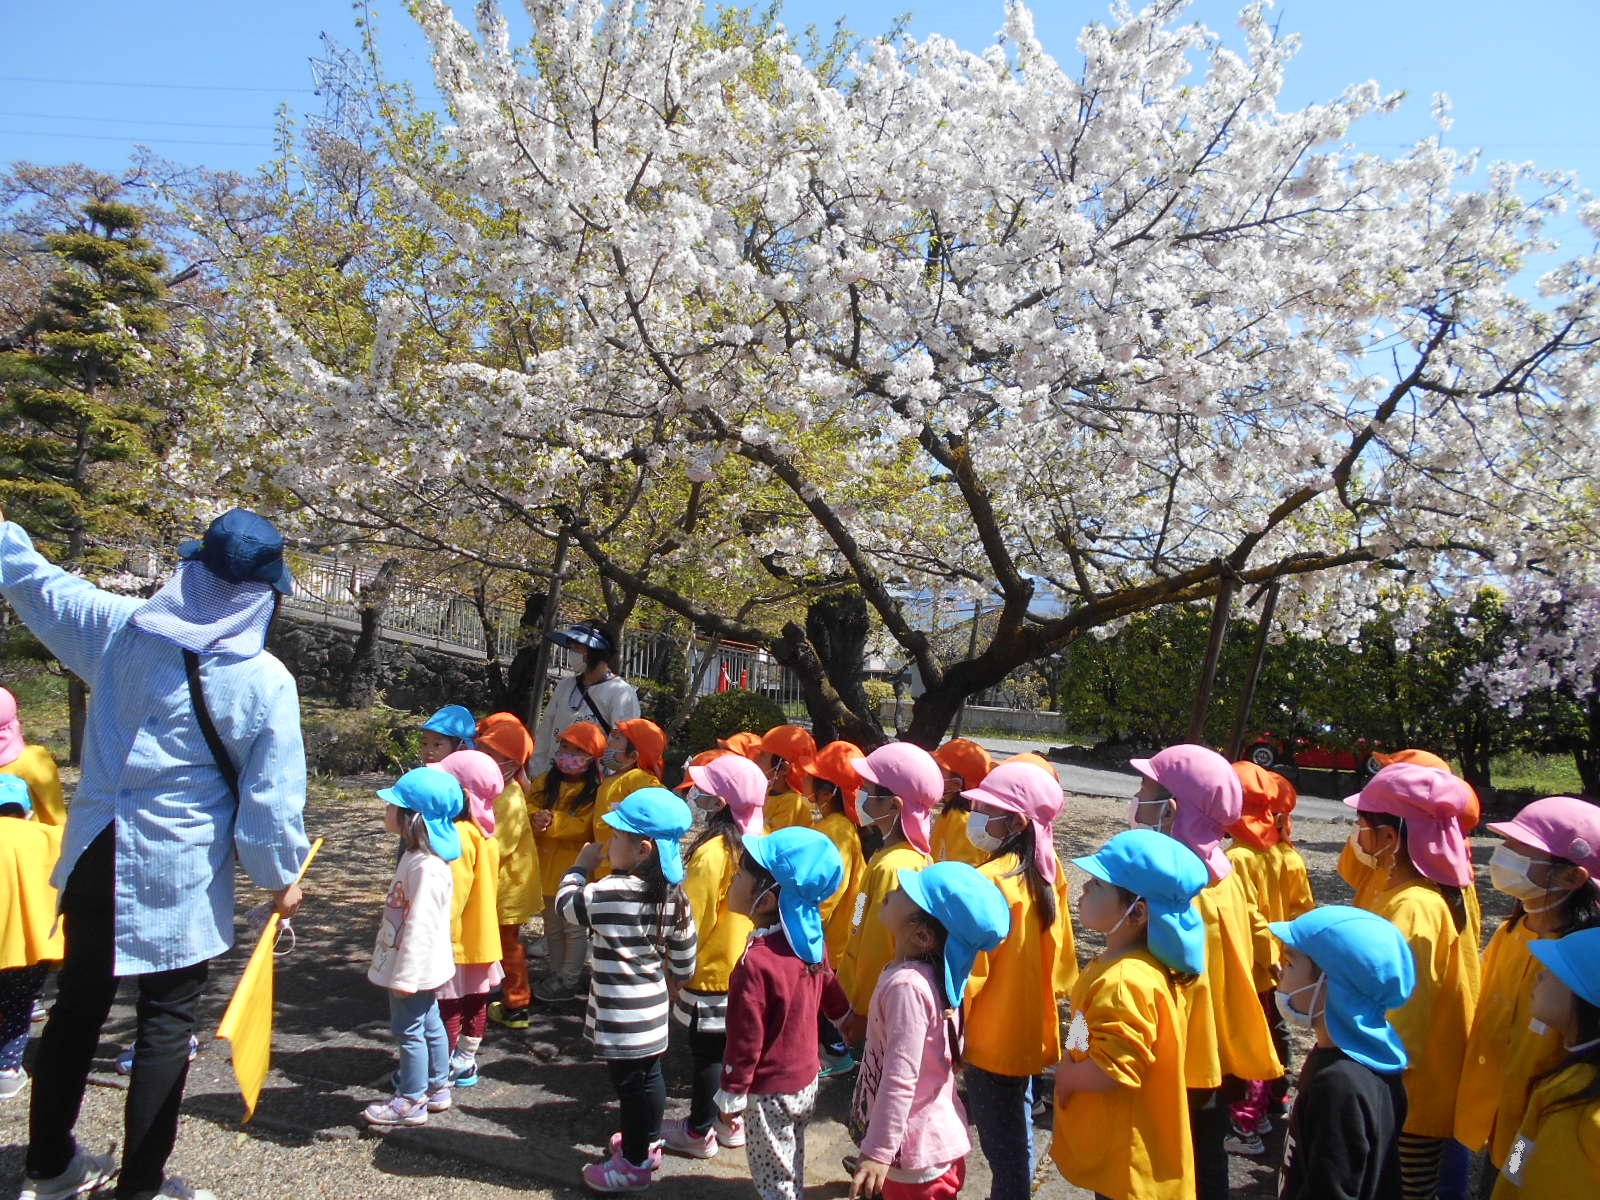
(642, 1096)
(1209, 1127)
(705, 1053)
(85, 989)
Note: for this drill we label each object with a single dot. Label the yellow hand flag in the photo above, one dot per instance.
(248, 1021)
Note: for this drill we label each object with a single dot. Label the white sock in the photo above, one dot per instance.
(468, 1045)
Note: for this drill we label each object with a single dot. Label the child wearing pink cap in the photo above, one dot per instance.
(474, 913)
(1192, 794)
(1548, 863)
(730, 792)
(901, 785)
(1013, 1022)
(1408, 828)
(34, 765)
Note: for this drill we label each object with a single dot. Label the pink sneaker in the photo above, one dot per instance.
(616, 1175)
(678, 1138)
(400, 1110)
(729, 1133)
(653, 1161)
(439, 1100)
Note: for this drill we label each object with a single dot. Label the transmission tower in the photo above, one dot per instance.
(341, 77)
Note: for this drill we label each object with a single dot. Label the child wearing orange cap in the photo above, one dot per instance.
(963, 763)
(902, 784)
(782, 755)
(1281, 891)
(562, 803)
(1408, 829)
(34, 765)
(1548, 864)
(520, 894)
(633, 760)
(833, 783)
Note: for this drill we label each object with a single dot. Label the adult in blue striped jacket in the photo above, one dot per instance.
(146, 869)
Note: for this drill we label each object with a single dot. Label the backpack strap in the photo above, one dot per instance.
(208, 728)
(605, 725)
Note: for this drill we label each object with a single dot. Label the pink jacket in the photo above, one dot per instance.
(906, 1092)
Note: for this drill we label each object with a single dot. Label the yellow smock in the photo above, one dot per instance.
(1557, 1149)
(787, 809)
(1013, 1026)
(1432, 1024)
(29, 933)
(723, 933)
(949, 841)
(37, 768)
(1368, 882)
(521, 888)
(570, 830)
(1131, 1143)
(612, 793)
(1250, 865)
(1504, 1056)
(1227, 1031)
(836, 909)
(474, 895)
(1288, 883)
(871, 946)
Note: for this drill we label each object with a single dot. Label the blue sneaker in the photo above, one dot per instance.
(125, 1059)
(463, 1069)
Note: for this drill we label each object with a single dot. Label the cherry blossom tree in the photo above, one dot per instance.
(1073, 343)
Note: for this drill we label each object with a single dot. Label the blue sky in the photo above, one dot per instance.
(213, 74)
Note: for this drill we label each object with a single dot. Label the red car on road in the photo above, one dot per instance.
(1305, 751)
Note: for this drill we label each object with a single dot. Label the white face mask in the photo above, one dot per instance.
(1512, 873)
(978, 832)
(1292, 1015)
(865, 819)
(704, 801)
(1162, 824)
(1364, 856)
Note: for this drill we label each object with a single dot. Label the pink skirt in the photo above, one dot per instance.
(472, 980)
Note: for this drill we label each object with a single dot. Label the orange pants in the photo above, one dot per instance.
(514, 962)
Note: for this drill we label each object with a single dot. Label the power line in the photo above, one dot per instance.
(111, 137)
(128, 120)
(128, 83)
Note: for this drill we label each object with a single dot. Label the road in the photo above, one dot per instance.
(1098, 781)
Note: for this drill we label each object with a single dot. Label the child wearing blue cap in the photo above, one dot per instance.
(641, 931)
(414, 955)
(30, 935)
(1556, 1153)
(1344, 969)
(910, 1124)
(769, 1067)
(1122, 1107)
(448, 730)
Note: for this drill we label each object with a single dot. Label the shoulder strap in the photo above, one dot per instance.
(605, 725)
(208, 728)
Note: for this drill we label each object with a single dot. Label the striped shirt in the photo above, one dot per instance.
(628, 1007)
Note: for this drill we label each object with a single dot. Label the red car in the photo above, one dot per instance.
(1271, 750)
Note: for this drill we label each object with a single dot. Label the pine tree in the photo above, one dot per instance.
(77, 428)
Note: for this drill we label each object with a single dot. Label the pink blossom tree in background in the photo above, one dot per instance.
(935, 322)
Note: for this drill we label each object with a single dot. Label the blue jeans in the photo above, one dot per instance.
(424, 1049)
(1002, 1109)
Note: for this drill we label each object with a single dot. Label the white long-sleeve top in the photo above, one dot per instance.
(414, 951)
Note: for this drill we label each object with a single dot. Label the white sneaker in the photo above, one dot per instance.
(84, 1174)
(12, 1082)
(177, 1189)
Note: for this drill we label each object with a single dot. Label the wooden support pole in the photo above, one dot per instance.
(1208, 671)
(1241, 722)
(541, 656)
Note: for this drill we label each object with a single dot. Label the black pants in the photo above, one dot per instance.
(829, 1037)
(1209, 1127)
(642, 1096)
(85, 989)
(705, 1053)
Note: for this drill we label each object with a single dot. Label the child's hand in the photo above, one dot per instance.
(589, 858)
(869, 1179)
(854, 1028)
(540, 820)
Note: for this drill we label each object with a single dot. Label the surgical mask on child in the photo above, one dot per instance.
(704, 801)
(1293, 1016)
(978, 832)
(1364, 856)
(572, 764)
(867, 819)
(1512, 873)
(1162, 823)
(611, 761)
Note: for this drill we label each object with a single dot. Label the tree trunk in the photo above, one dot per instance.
(1587, 755)
(830, 715)
(77, 718)
(363, 677)
(837, 626)
(518, 690)
(491, 640)
(932, 712)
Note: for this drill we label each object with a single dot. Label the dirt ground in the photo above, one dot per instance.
(544, 1107)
